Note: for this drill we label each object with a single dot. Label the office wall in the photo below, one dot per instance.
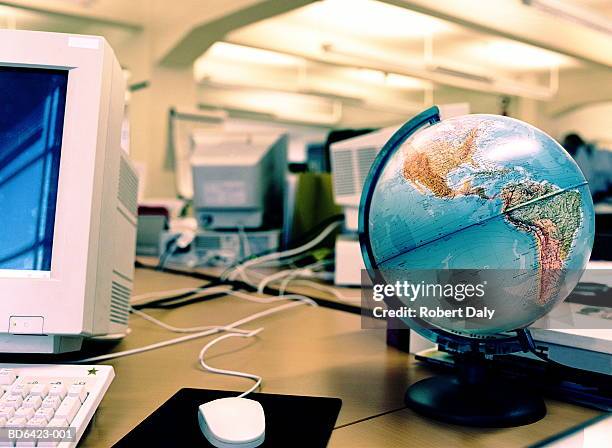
(592, 121)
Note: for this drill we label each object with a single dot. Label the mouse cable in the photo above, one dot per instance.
(218, 329)
(258, 379)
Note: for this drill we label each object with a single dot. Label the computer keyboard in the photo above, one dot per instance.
(49, 405)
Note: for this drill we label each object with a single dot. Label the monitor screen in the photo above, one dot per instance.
(32, 105)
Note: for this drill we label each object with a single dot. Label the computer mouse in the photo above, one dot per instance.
(233, 422)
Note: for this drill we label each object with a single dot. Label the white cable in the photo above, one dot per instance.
(238, 294)
(285, 283)
(174, 329)
(239, 270)
(170, 249)
(272, 278)
(250, 376)
(289, 275)
(192, 336)
(325, 288)
(273, 299)
(245, 241)
(306, 271)
(283, 262)
(268, 264)
(287, 253)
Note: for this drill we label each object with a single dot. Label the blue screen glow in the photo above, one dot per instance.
(32, 104)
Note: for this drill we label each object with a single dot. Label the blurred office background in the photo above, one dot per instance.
(321, 71)
(314, 66)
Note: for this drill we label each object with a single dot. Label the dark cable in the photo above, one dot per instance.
(170, 248)
(162, 302)
(177, 304)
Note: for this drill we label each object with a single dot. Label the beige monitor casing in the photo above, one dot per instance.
(88, 289)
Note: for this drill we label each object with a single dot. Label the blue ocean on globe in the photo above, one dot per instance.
(485, 192)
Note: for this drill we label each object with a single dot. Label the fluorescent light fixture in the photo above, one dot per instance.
(86, 3)
(241, 53)
(370, 18)
(516, 55)
(296, 107)
(448, 76)
(367, 75)
(392, 80)
(572, 13)
(406, 82)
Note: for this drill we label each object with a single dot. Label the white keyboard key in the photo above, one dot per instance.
(26, 413)
(68, 409)
(48, 444)
(77, 391)
(7, 376)
(20, 389)
(57, 390)
(7, 412)
(32, 401)
(46, 413)
(37, 422)
(39, 390)
(51, 402)
(54, 423)
(13, 401)
(24, 443)
(58, 422)
(16, 422)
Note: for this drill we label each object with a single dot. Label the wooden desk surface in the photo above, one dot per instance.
(302, 351)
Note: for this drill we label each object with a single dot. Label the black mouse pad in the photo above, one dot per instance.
(291, 420)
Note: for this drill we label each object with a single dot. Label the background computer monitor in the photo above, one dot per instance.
(67, 193)
(239, 181)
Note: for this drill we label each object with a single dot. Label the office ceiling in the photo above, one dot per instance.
(386, 57)
(380, 58)
(174, 22)
(130, 12)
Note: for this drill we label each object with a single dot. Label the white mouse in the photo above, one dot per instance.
(233, 422)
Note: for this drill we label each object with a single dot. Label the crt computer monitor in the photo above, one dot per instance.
(68, 193)
(239, 181)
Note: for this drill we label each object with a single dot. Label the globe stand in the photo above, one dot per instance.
(473, 397)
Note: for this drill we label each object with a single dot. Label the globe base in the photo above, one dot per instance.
(492, 404)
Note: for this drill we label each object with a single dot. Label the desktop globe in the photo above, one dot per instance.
(480, 200)
(484, 194)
